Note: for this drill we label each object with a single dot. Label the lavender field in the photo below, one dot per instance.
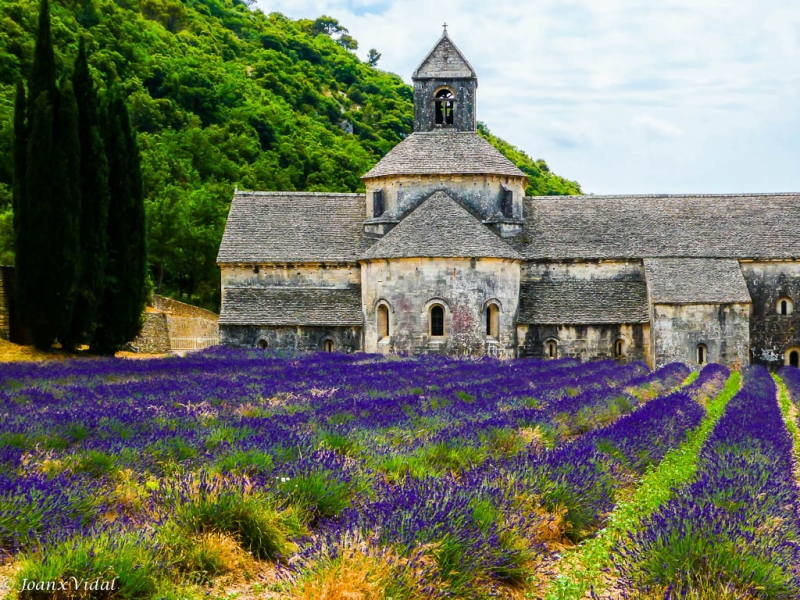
(235, 474)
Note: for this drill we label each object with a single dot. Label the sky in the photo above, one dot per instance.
(622, 96)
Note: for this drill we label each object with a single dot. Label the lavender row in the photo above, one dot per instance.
(492, 517)
(173, 416)
(586, 475)
(734, 531)
(76, 442)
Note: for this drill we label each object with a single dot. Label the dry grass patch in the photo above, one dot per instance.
(14, 352)
(354, 576)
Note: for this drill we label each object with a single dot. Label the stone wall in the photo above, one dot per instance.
(173, 325)
(584, 269)
(724, 329)
(771, 333)
(586, 342)
(480, 194)
(424, 108)
(10, 327)
(291, 275)
(462, 286)
(181, 309)
(154, 336)
(191, 327)
(5, 318)
(291, 339)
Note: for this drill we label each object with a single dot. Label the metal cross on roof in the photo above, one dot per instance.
(445, 27)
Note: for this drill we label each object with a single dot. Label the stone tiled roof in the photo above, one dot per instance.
(583, 302)
(293, 227)
(695, 281)
(734, 226)
(445, 152)
(440, 227)
(444, 61)
(291, 306)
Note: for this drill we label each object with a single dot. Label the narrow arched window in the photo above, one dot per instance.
(328, 346)
(383, 321)
(551, 349)
(507, 201)
(702, 354)
(263, 344)
(785, 306)
(794, 358)
(377, 203)
(445, 107)
(619, 349)
(437, 320)
(492, 321)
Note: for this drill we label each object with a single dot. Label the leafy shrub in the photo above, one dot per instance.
(254, 519)
(319, 495)
(245, 462)
(132, 559)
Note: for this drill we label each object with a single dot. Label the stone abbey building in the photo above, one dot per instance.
(445, 253)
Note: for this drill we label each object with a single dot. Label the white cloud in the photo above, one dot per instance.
(657, 126)
(586, 84)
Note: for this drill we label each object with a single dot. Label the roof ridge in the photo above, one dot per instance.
(444, 153)
(667, 196)
(290, 287)
(420, 234)
(444, 36)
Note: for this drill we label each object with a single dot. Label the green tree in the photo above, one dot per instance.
(327, 25)
(47, 226)
(43, 71)
(347, 41)
(20, 149)
(124, 294)
(94, 205)
(373, 57)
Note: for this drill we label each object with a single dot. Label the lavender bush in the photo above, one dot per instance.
(453, 472)
(735, 531)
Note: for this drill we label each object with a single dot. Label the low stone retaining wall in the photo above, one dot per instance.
(173, 325)
(154, 337)
(5, 317)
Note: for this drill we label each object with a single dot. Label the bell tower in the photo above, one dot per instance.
(445, 87)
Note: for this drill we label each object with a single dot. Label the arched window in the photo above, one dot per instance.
(785, 306)
(492, 321)
(702, 354)
(437, 320)
(619, 349)
(263, 344)
(377, 203)
(792, 357)
(551, 349)
(383, 321)
(445, 106)
(328, 346)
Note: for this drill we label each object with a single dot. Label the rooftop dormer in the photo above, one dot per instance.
(444, 89)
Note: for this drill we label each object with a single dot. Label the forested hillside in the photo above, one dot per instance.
(223, 95)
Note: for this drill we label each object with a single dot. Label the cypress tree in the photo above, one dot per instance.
(47, 224)
(94, 204)
(20, 151)
(43, 71)
(65, 212)
(124, 295)
(32, 245)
